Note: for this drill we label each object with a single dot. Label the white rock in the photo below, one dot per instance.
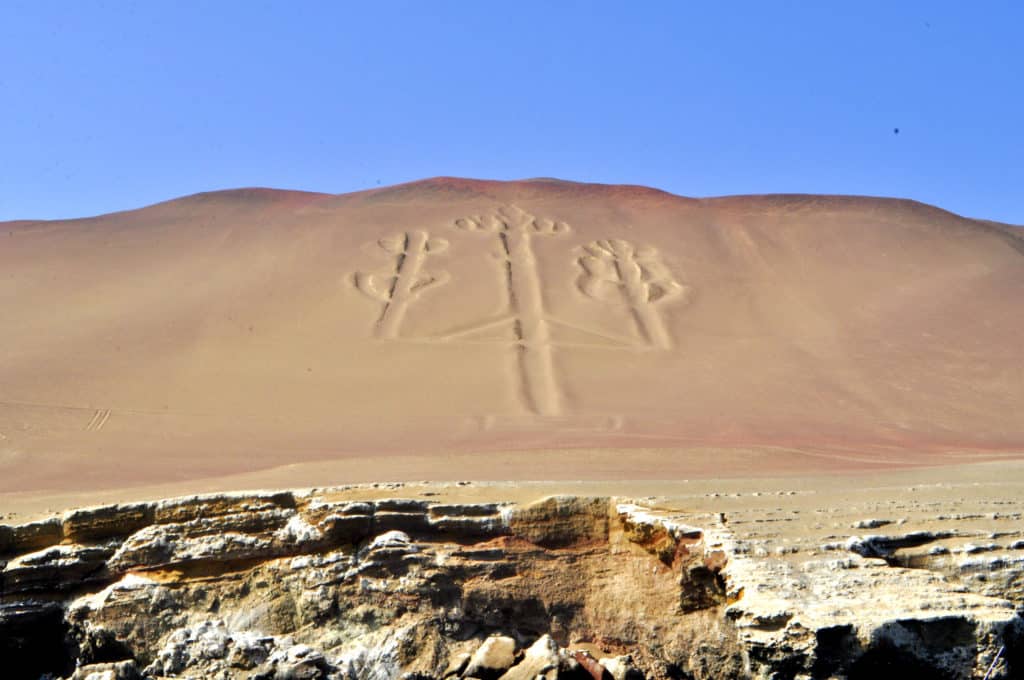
(539, 658)
(297, 530)
(497, 653)
(620, 667)
(391, 539)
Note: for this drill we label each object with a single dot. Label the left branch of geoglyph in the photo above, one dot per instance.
(404, 282)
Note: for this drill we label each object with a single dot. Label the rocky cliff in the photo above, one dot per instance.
(410, 581)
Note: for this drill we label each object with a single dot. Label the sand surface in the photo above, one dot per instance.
(456, 329)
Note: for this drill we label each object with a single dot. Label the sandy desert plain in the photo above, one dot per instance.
(464, 428)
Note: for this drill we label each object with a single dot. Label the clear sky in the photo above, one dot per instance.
(114, 105)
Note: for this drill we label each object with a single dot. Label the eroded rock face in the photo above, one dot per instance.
(322, 585)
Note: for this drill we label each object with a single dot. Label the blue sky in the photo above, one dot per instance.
(113, 105)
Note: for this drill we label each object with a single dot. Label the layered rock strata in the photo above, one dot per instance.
(331, 584)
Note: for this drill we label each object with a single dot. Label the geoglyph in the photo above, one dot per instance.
(614, 272)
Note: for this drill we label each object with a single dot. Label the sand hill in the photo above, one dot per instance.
(541, 329)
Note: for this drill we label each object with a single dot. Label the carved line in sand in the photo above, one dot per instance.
(99, 419)
(515, 228)
(614, 270)
(398, 287)
(570, 424)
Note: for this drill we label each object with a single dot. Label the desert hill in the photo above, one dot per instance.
(539, 329)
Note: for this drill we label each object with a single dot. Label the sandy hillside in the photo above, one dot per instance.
(526, 330)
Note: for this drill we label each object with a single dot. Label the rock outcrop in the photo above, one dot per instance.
(332, 584)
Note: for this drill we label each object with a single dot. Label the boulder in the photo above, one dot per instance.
(491, 659)
(540, 658)
(457, 664)
(118, 670)
(621, 668)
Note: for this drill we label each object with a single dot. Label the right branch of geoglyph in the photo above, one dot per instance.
(615, 270)
(401, 285)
